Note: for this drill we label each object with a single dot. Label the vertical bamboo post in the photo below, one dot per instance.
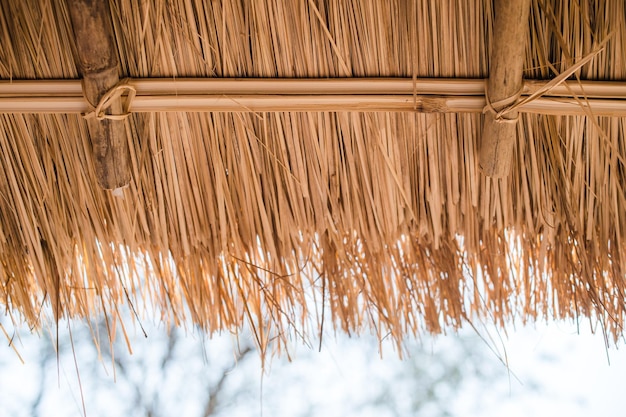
(98, 62)
(510, 33)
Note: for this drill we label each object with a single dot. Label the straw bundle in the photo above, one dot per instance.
(382, 217)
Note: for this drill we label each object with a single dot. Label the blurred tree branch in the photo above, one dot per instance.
(216, 391)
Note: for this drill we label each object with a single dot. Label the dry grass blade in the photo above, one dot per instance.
(236, 218)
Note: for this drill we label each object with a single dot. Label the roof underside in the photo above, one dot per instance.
(249, 217)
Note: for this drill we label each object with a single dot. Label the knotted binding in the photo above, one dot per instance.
(506, 106)
(99, 111)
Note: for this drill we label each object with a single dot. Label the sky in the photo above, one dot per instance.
(553, 369)
(579, 375)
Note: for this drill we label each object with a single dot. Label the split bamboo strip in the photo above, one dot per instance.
(504, 86)
(98, 62)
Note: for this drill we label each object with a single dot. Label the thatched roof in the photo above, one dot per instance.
(383, 216)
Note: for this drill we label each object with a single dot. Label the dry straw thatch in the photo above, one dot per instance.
(262, 217)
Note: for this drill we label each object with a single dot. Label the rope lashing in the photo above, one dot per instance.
(506, 106)
(99, 111)
(510, 104)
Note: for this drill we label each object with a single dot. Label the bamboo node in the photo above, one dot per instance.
(505, 106)
(109, 98)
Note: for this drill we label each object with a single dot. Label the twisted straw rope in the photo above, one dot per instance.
(99, 111)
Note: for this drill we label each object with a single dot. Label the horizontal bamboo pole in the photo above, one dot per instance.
(603, 98)
(317, 86)
(336, 103)
(582, 89)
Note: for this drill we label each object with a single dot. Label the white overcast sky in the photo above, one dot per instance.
(572, 371)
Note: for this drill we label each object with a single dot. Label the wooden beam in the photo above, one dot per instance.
(510, 34)
(97, 58)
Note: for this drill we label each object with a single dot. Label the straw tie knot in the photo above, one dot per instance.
(99, 111)
(501, 108)
(511, 104)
